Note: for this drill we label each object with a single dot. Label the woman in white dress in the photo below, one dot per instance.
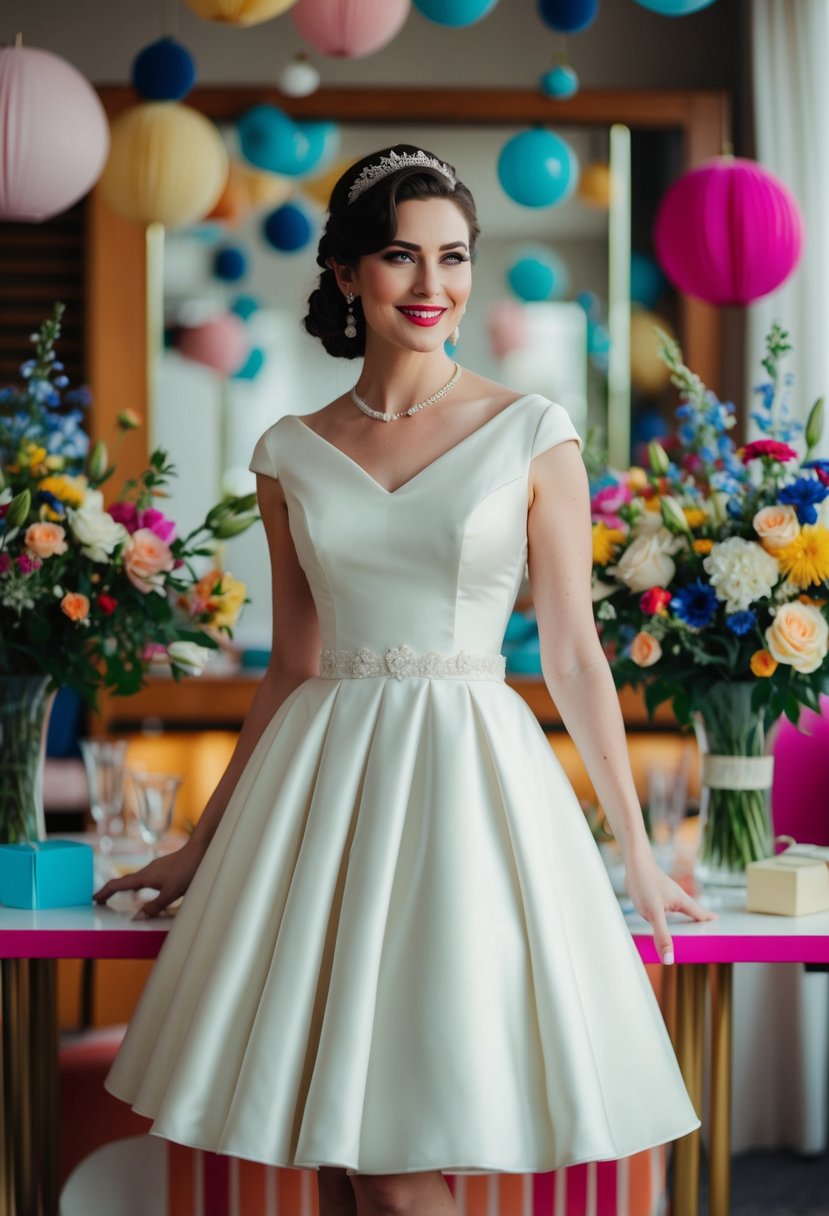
(400, 955)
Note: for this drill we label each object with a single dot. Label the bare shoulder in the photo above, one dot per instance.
(329, 418)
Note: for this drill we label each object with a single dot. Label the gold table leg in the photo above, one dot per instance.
(29, 1140)
(688, 1043)
(719, 1164)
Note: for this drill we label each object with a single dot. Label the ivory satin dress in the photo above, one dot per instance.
(401, 950)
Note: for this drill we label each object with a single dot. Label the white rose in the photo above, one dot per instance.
(647, 562)
(741, 571)
(647, 522)
(189, 656)
(799, 635)
(95, 530)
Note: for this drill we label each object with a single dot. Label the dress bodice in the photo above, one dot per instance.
(435, 564)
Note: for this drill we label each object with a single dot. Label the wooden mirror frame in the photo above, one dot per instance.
(117, 323)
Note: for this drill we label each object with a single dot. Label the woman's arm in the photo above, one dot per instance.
(294, 657)
(578, 675)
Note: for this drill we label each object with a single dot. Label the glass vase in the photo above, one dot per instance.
(736, 776)
(24, 714)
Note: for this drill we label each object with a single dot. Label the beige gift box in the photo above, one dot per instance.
(793, 883)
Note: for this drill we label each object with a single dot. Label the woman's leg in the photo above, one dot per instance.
(419, 1194)
(336, 1194)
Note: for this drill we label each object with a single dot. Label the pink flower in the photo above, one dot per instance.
(146, 558)
(655, 600)
(154, 520)
(5, 562)
(772, 449)
(125, 513)
(27, 563)
(609, 500)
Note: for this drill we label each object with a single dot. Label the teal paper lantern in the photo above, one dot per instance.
(252, 366)
(647, 282)
(270, 140)
(560, 83)
(455, 13)
(245, 306)
(538, 274)
(675, 8)
(537, 168)
(287, 228)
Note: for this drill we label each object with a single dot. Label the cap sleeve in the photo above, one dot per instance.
(262, 460)
(554, 426)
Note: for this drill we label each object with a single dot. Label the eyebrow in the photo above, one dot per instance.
(417, 248)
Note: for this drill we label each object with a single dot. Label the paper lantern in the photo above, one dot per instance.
(163, 71)
(318, 189)
(220, 343)
(648, 374)
(647, 282)
(271, 140)
(568, 16)
(507, 328)
(538, 273)
(537, 168)
(560, 82)
(455, 13)
(252, 366)
(245, 306)
(596, 185)
(674, 8)
(287, 229)
(728, 232)
(349, 29)
(230, 264)
(239, 12)
(299, 78)
(54, 134)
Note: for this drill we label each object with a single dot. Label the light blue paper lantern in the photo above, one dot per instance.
(252, 366)
(245, 306)
(315, 146)
(647, 282)
(590, 302)
(270, 140)
(454, 13)
(287, 228)
(675, 8)
(538, 274)
(561, 82)
(568, 16)
(537, 168)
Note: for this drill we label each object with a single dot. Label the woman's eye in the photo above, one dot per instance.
(454, 258)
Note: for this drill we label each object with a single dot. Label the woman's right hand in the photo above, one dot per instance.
(170, 875)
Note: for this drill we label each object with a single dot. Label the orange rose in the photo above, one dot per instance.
(75, 605)
(762, 664)
(645, 649)
(146, 558)
(776, 526)
(45, 539)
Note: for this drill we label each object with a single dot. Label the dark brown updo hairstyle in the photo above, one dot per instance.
(366, 225)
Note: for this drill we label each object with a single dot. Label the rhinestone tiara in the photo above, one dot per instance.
(390, 164)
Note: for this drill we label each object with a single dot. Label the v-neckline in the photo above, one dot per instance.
(426, 468)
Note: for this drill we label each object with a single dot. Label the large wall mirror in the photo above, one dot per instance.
(144, 283)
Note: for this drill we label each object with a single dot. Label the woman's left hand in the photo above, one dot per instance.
(653, 894)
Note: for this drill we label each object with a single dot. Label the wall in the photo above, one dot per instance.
(626, 47)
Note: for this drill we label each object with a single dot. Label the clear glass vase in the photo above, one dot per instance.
(736, 775)
(24, 712)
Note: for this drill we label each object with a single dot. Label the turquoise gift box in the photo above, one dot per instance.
(46, 874)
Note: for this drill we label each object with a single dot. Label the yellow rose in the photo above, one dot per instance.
(776, 526)
(799, 636)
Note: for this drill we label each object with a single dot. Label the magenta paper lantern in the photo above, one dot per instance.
(220, 343)
(54, 136)
(728, 232)
(349, 29)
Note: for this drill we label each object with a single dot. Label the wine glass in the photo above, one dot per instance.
(104, 763)
(668, 801)
(155, 796)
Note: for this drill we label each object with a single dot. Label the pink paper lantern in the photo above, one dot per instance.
(801, 777)
(220, 343)
(349, 29)
(53, 134)
(728, 232)
(507, 328)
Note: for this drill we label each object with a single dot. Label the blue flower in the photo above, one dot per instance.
(51, 501)
(741, 622)
(695, 604)
(734, 508)
(803, 494)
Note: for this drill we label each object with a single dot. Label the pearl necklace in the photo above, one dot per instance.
(421, 405)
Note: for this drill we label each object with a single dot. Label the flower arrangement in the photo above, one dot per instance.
(711, 567)
(91, 595)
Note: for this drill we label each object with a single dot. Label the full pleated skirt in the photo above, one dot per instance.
(401, 952)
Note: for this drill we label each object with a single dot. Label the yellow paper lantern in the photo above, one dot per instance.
(266, 189)
(239, 12)
(318, 189)
(596, 185)
(648, 374)
(167, 164)
(247, 190)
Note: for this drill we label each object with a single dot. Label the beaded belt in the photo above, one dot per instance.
(400, 661)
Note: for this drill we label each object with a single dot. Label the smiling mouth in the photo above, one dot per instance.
(422, 316)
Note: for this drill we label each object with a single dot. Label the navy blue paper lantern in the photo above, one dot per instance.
(287, 228)
(675, 8)
(244, 307)
(568, 16)
(454, 13)
(538, 168)
(164, 71)
(561, 82)
(252, 366)
(230, 264)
